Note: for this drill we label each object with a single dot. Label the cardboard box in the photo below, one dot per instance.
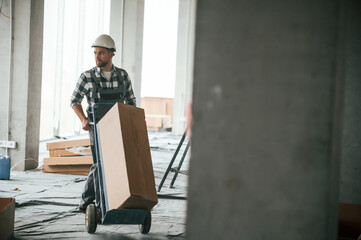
(158, 112)
(349, 220)
(7, 216)
(157, 106)
(157, 122)
(127, 165)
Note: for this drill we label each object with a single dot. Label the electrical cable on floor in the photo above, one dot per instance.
(167, 196)
(45, 233)
(57, 197)
(171, 236)
(1, 7)
(41, 202)
(21, 161)
(35, 224)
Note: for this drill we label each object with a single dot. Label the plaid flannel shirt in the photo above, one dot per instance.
(87, 84)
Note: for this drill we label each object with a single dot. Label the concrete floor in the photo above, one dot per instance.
(46, 203)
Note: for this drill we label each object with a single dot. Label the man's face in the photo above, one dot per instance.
(102, 56)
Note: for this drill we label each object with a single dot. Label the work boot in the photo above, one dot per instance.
(81, 209)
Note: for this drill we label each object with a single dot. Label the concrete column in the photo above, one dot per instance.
(184, 68)
(266, 108)
(350, 189)
(6, 25)
(80, 55)
(116, 28)
(131, 48)
(58, 78)
(23, 69)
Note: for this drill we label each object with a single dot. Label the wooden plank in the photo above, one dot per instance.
(75, 173)
(67, 144)
(68, 168)
(67, 153)
(61, 153)
(80, 160)
(74, 169)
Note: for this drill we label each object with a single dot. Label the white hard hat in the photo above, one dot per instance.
(104, 41)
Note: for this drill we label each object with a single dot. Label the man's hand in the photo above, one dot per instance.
(85, 124)
(84, 120)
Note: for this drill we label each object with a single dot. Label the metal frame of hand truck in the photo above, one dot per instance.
(114, 216)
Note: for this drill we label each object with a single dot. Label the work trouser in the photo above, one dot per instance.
(90, 192)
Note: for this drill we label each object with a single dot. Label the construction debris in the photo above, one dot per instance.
(69, 157)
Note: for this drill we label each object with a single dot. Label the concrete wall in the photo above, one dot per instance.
(350, 189)
(116, 28)
(5, 59)
(132, 42)
(184, 66)
(267, 100)
(23, 78)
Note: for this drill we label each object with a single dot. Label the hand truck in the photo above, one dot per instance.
(93, 215)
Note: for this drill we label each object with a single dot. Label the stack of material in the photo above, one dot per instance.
(69, 157)
(158, 112)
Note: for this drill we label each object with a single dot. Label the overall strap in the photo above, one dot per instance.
(122, 80)
(97, 80)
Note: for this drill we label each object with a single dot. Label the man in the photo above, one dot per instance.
(103, 83)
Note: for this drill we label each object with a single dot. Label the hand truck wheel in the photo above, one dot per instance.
(145, 227)
(91, 218)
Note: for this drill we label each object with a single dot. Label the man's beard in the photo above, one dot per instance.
(101, 64)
